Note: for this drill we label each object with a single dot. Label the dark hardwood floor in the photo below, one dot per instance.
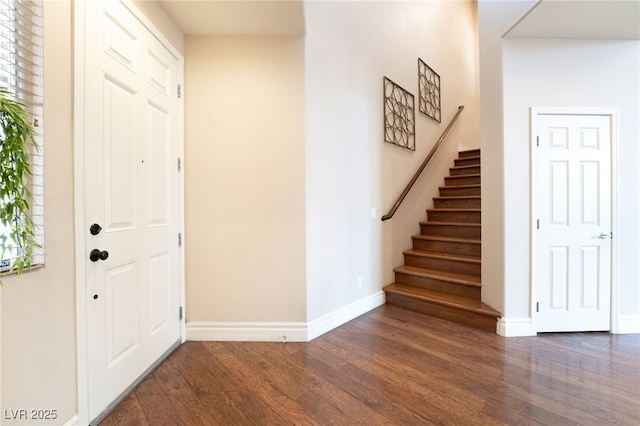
(395, 367)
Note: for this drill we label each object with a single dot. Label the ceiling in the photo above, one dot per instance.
(237, 17)
(579, 19)
(567, 19)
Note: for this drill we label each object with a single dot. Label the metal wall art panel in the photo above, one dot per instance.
(399, 116)
(429, 93)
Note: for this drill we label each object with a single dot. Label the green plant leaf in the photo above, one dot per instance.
(16, 140)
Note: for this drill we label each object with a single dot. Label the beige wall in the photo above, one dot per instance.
(244, 178)
(38, 309)
(284, 154)
(350, 170)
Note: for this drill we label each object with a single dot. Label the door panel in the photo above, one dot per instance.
(159, 147)
(558, 277)
(119, 152)
(572, 269)
(559, 196)
(160, 297)
(121, 300)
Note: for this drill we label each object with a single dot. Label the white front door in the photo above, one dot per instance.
(132, 196)
(572, 231)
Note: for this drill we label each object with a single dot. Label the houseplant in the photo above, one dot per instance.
(17, 235)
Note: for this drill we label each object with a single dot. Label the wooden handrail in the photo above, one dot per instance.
(416, 175)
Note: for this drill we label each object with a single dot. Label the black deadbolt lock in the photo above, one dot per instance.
(95, 229)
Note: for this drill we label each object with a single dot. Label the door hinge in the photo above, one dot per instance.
(537, 140)
(179, 164)
(179, 239)
(537, 306)
(537, 223)
(180, 313)
(179, 91)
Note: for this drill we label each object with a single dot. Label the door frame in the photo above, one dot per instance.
(612, 113)
(82, 361)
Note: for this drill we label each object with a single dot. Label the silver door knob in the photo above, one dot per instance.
(606, 235)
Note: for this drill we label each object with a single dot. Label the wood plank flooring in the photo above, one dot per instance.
(392, 366)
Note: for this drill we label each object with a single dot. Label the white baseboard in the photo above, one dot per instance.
(515, 327)
(281, 331)
(334, 319)
(628, 324)
(72, 421)
(246, 331)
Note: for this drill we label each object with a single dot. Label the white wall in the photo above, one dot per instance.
(244, 178)
(571, 73)
(494, 18)
(350, 46)
(546, 73)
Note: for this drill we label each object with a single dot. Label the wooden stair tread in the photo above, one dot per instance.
(442, 255)
(468, 166)
(454, 277)
(448, 209)
(458, 197)
(471, 185)
(468, 153)
(463, 176)
(476, 225)
(456, 302)
(445, 239)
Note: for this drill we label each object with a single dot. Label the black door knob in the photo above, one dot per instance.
(96, 255)
(95, 229)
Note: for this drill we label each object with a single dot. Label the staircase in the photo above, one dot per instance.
(441, 274)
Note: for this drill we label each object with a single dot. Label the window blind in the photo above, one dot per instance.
(21, 72)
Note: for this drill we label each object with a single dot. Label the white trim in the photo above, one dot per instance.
(79, 199)
(612, 113)
(152, 28)
(328, 322)
(515, 24)
(246, 331)
(82, 353)
(515, 327)
(281, 331)
(533, 188)
(627, 324)
(72, 421)
(181, 216)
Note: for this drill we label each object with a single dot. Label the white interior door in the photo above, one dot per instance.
(132, 193)
(572, 234)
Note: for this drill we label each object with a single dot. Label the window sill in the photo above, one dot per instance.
(24, 271)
